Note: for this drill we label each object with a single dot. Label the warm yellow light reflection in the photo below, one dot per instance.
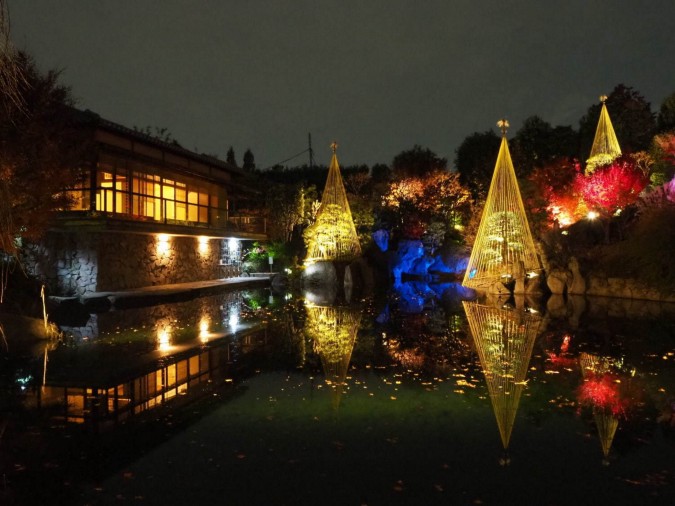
(204, 329)
(163, 336)
(592, 215)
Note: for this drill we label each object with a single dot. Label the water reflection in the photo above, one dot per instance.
(126, 362)
(333, 330)
(415, 405)
(605, 389)
(504, 339)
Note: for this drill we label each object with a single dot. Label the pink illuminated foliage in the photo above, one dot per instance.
(568, 194)
(612, 187)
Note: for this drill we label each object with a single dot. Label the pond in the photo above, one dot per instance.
(419, 397)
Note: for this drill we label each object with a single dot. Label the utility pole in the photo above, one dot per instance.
(311, 152)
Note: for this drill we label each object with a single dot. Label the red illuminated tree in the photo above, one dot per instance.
(612, 187)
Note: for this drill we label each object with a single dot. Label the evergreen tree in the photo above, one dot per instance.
(666, 119)
(230, 157)
(249, 161)
(475, 161)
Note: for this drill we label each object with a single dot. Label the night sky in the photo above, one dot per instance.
(378, 76)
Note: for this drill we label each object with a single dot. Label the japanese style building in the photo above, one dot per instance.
(145, 212)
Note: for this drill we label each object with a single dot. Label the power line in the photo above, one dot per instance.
(289, 159)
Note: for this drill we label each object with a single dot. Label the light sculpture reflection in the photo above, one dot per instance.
(333, 331)
(504, 340)
(602, 390)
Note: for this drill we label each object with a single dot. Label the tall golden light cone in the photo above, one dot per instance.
(605, 147)
(333, 234)
(504, 244)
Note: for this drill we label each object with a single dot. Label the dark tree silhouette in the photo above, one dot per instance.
(475, 161)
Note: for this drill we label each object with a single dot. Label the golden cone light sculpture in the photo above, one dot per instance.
(605, 144)
(504, 246)
(504, 340)
(333, 235)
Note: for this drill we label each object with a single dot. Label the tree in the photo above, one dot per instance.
(417, 162)
(380, 173)
(475, 161)
(230, 157)
(11, 74)
(666, 118)
(537, 143)
(612, 187)
(285, 205)
(249, 161)
(554, 193)
(41, 147)
(415, 202)
(663, 154)
(161, 133)
(632, 118)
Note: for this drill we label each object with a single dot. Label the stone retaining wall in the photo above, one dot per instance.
(84, 262)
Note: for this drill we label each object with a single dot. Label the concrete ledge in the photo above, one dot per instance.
(150, 295)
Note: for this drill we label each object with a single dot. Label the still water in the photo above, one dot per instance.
(418, 398)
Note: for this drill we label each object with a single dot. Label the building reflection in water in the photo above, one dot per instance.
(504, 339)
(167, 350)
(333, 331)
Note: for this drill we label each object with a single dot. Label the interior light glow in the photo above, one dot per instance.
(592, 215)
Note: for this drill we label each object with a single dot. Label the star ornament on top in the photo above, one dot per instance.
(334, 146)
(503, 124)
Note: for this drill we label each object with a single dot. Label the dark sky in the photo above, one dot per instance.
(378, 76)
